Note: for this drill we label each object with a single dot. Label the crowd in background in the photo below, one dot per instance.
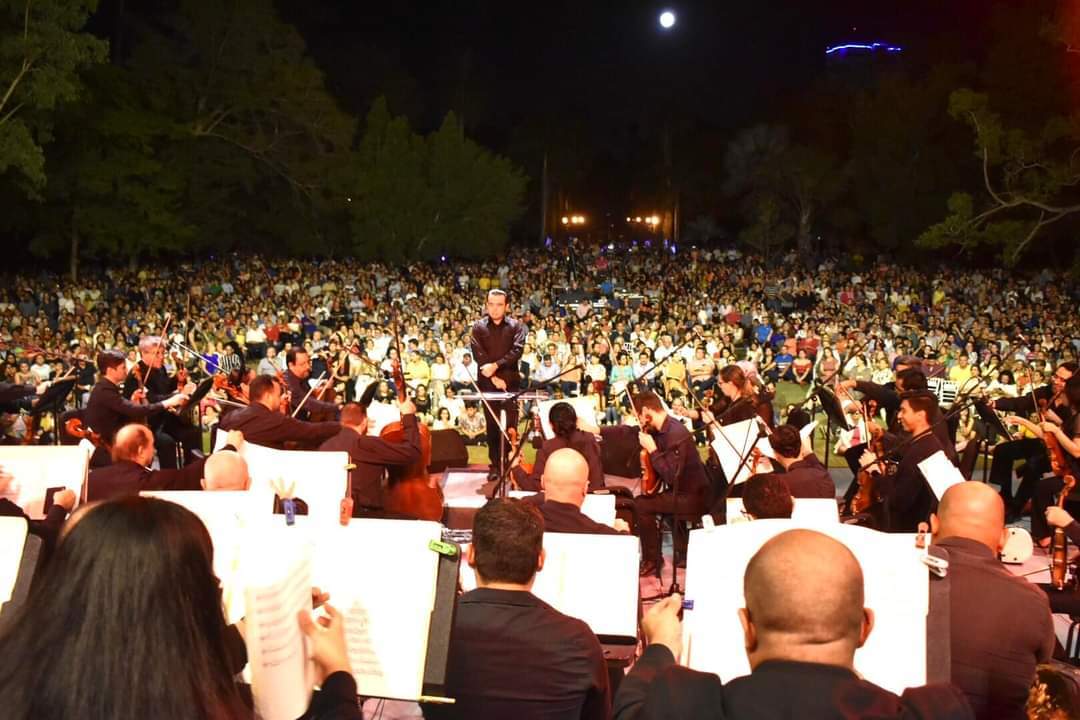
(599, 317)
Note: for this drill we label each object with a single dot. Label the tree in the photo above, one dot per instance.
(794, 182)
(769, 232)
(42, 51)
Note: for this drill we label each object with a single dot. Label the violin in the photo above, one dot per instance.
(1059, 545)
(868, 494)
(411, 491)
(236, 394)
(650, 483)
(75, 428)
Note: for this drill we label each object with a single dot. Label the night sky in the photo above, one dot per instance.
(600, 79)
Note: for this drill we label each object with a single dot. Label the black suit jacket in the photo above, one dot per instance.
(128, 478)
(48, 529)
(658, 688)
(272, 429)
(808, 478)
(908, 497)
(585, 443)
(157, 382)
(1000, 628)
(371, 455)
(107, 411)
(298, 389)
(566, 518)
(514, 656)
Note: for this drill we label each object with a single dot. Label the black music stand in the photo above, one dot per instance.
(993, 425)
(834, 414)
(52, 402)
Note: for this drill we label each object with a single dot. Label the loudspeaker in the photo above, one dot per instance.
(447, 450)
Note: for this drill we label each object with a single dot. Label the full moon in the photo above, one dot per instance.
(667, 19)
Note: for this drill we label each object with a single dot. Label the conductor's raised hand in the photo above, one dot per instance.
(661, 624)
(327, 638)
(406, 407)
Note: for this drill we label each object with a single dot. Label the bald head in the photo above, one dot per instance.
(804, 601)
(225, 470)
(971, 510)
(566, 477)
(133, 443)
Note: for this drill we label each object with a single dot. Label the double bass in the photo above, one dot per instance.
(411, 491)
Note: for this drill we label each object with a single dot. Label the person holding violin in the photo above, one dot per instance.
(569, 433)
(108, 410)
(1067, 435)
(372, 455)
(743, 400)
(298, 362)
(497, 342)
(906, 496)
(169, 429)
(263, 421)
(674, 458)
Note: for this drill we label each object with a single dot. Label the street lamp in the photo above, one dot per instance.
(667, 19)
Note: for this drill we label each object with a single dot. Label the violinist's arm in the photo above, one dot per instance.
(879, 393)
(1068, 444)
(1033, 428)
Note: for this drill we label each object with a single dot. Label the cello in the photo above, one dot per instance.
(411, 491)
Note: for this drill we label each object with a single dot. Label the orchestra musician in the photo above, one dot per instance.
(569, 433)
(107, 410)
(1031, 450)
(15, 397)
(804, 474)
(169, 429)
(298, 364)
(907, 498)
(371, 455)
(264, 423)
(497, 342)
(675, 460)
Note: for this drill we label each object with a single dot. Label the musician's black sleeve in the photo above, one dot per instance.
(883, 396)
(1028, 403)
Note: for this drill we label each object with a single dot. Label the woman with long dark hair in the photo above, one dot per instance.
(568, 433)
(126, 623)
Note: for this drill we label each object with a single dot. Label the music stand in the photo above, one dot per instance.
(52, 401)
(993, 425)
(834, 413)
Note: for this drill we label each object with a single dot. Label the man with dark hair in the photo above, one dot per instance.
(107, 410)
(674, 458)
(264, 424)
(371, 455)
(906, 495)
(497, 342)
(804, 474)
(767, 496)
(568, 434)
(803, 621)
(511, 654)
(298, 369)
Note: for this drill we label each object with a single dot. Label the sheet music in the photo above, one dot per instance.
(12, 540)
(896, 588)
(591, 577)
(740, 437)
(320, 478)
(277, 571)
(940, 473)
(387, 631)
(36, 468)
(598, 508)
(807, 510)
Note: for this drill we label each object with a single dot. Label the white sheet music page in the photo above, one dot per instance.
(896, 587)
(381, 575)
(12, 540)
(276, 566)
(36, 468)
(940, 473)
(740, 437)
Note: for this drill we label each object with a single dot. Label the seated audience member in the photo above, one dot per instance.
(126, 623)
(767, 496)
(1000, 624)
(511, 654)
(565, 485)
(565, 425)
(130, 473)
(226, 470)
(804, 474)
(472, 426)
(803, 621)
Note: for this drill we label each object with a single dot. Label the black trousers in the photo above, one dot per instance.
(1006, 454)
(497, 446)
(1062, 601)
(649, 509)
(172, 431)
